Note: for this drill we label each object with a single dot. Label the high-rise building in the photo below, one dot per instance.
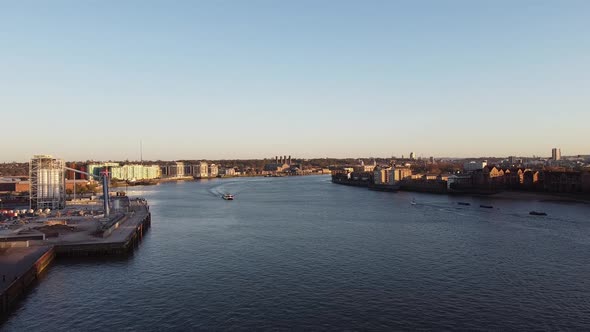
(412, 156)
(556, 154)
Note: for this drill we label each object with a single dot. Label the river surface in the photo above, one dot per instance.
(302, 253)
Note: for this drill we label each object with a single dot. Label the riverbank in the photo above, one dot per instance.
(124, 184)
(438, 188)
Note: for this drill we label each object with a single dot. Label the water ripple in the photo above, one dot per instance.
(305, 254)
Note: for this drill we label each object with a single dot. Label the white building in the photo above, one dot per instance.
(201, 170)
(136, 172)
(230, 171)
(176, 170)
(95, 169)
(213, 170)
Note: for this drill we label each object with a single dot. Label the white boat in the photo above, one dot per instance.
(413, 202)
(228, 197)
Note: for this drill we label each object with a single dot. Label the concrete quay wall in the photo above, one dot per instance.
(123, 247)
(24, 281)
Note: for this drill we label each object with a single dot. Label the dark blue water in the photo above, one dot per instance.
(303, 253)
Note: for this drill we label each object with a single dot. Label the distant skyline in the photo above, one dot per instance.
(404, 156)
(238, 80)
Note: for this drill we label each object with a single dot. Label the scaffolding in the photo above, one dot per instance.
(47, 182)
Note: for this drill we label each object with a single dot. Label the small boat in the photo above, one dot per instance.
(464, 203)
(535, 213)
(228, 197)
(413, 202)
(486, 206)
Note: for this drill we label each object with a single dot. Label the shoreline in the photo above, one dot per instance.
(507, 194)
(192, 178)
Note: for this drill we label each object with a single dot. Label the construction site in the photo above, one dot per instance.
(111, 224)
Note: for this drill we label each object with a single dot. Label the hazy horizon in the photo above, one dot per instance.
(293, 157)
(89, 80)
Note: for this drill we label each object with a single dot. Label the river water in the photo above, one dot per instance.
(303, 253)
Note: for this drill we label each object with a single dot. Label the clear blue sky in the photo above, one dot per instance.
(253, 79)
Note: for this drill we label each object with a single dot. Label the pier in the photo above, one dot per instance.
(20, 267)
(23, 258)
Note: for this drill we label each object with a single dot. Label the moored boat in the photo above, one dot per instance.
(536, 213)
(486, 206)
(464, 203)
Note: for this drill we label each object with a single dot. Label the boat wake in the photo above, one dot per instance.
(226, 188)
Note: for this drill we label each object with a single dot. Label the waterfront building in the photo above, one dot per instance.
(164, 170)
(489, 177)
(399, 173)
(201, 170)
(381, 174)
(180, 169)
(213, 170)
(342, 172)
(514, 178)
(364, 168)
(176, 170)
(136, 172)
(273, 168)
(530, 179)
(96, 169)
(459, 181)
(227, 171)
(562, 181)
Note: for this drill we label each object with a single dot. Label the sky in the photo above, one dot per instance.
(253, 79)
